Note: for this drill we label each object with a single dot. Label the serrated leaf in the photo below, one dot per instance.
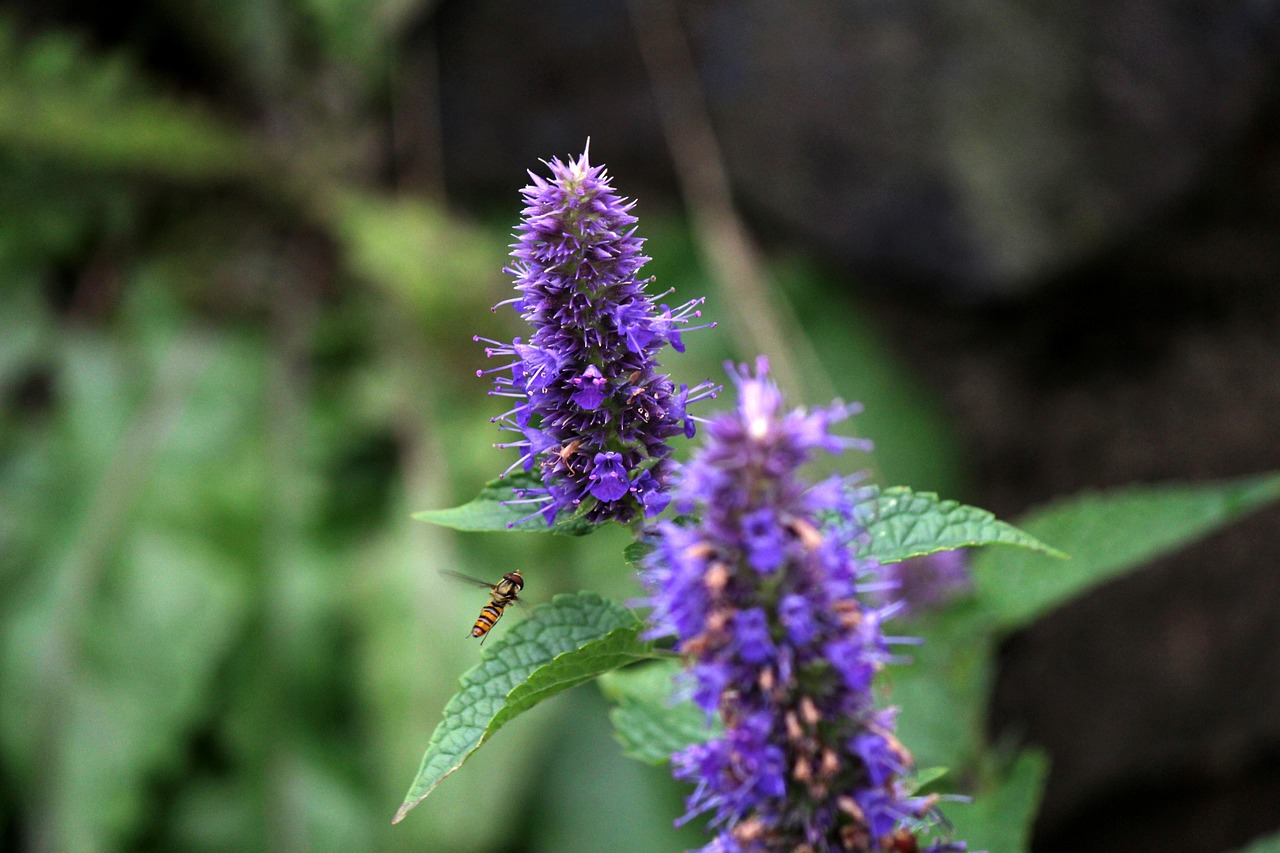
(1001, 815)
(647, 722)
(499, 508)
(562, 644)
(1108, 533)
(903, 523)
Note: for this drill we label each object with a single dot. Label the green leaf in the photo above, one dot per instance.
(591, 798)
(489, 511)
(648, 724)
(1266, 844)
(1001, 815)
(646, 542)
(636, 551)
(922, 778)
(905, 524)
(562, 644)
(943, 693)
(1108, 533)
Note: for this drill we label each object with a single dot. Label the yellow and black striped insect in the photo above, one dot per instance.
(501, 594)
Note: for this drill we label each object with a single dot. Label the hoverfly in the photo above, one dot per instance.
(501, 594)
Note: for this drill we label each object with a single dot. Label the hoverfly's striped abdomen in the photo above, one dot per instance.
(489, 616)
(501, 594)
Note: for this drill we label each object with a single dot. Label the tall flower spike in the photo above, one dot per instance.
(592, 412)
(765, 597)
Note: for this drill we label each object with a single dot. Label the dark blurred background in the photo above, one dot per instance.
(244, 245)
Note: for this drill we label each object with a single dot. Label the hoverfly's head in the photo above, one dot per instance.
(515, 578)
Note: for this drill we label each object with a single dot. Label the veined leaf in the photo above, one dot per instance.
(1108, 533)
(498, 507)
(562, 644)
(905, 524)
(647, 721)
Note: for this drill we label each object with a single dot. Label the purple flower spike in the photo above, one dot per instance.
(594, 411)
(764, 596)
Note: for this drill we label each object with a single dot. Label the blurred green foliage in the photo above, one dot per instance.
(234, 360)
(232, 366)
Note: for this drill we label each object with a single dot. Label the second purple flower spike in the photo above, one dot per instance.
(764, 598)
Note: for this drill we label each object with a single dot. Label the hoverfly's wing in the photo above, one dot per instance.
(467, 578)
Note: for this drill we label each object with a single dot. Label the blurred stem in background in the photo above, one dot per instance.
(914, 446)
(763, 321)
